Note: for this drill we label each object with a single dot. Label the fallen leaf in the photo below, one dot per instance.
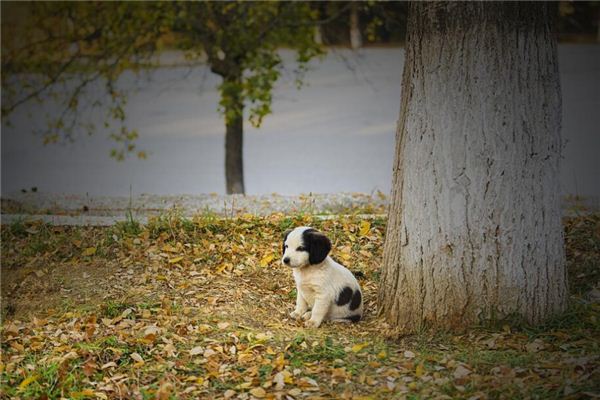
(279, 361)
(164, 392)
(409, 354)
(136, 357)
(266, 260)
(11, 330)
(535, 346)
(196, 350)
(229, 393)
(263, 336)
(365, 227)
(27, 381)
(358, 347)
(110, 364)
(89, 368)
(420, 370)
(279, 380)
(258, 392)
(89, 251)
(208, 353)
(175, 260)
(223, 325)
(83, 393)
(461, 372)
(17, 346)
(170, 249)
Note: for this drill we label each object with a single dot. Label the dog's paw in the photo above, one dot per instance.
(307, 315)
(295, 315)
(311, 323)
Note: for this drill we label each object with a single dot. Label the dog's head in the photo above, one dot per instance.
(304, 246)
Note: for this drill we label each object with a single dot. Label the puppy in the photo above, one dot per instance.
(327, 291)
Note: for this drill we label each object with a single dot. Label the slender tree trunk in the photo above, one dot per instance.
(474, 231)
(234, 138)
(598, 25)
(318, 35)
(355, 36)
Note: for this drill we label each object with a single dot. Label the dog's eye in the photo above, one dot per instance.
(300, 248)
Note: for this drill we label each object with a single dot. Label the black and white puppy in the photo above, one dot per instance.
(327, 291)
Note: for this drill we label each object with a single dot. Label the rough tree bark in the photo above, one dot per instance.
(474, 231)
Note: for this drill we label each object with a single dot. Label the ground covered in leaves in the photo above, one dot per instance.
(199, 309)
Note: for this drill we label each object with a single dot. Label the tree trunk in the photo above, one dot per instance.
(474, 231)
(234, 136)
(355, 36)
(598, 25)
(318, 35)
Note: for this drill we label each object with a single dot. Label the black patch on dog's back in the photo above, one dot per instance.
(353, 318)
(356, 300)
(344, 296)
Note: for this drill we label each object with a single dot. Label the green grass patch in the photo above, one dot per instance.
(300, 352)
(112, 309)
(484, 360)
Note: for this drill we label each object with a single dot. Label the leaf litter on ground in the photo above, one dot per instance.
(199, 309)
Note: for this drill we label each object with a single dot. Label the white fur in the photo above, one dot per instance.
(319, 285)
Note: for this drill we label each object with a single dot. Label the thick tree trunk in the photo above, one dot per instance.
(474, 231)
(234, 140)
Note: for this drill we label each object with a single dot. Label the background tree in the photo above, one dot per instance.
(241, 42)
(355, 33)
(65, 48)
(474, 231)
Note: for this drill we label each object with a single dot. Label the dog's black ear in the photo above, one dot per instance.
(318, 246)
(285, 235)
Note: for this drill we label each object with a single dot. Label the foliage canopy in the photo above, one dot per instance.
(75, 52)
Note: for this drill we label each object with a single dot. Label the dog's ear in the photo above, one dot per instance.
(285, 235)
(318, 246)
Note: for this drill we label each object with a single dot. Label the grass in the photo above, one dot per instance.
(582, 237)
(113, 309)
(129, 227)
(325, 350)
(485, 360)
(204, 303)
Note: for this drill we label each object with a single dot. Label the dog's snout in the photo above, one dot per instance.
(286, 260)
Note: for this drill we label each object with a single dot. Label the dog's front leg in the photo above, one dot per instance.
(301, 306)
(319, 311)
